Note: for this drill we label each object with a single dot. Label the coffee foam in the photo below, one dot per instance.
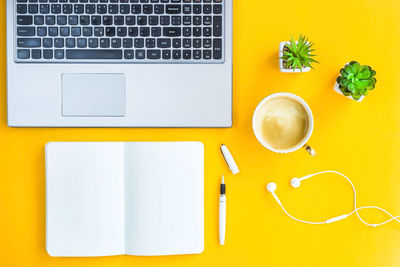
(282, 122)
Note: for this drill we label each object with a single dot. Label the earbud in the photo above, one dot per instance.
(271, 187)
(295, 182)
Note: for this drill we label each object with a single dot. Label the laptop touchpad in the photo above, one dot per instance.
(93, 95)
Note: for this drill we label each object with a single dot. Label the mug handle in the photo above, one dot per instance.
(310, 150)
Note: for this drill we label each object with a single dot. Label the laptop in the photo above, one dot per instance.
(119, 63)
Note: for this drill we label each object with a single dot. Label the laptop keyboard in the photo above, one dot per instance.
(123, 31)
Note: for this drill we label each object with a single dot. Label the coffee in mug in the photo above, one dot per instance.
(283, 123)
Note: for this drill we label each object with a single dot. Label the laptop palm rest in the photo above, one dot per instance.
(93, 95)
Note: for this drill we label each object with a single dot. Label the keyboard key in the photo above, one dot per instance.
(196, 54)
(84, 20)
(76, 31)
(141, 20)
(196, 9)
(176, 43)
(207, 43)
(48, 54)
(173, 9)
(166, 54)
(50, 20)
(118, 20)
(217, 48)
(104, 43)
(110, 31)
(58, 54)
(172, 31)
(93, 42)
(47, 42)
(26, 31)
(163, 43)
(159, 9)
(61, 20)
(113, 9)
(107, 20)
(130, 20)
(127, 43)
(153, 54)
(101, 9)
(70, 42)
(176, 54)
(81, 42)
(93, 54)
(217, 9)
(23, 53)
(207, 20)
(53, 31)
(44, 8)
(187, 54)
(99, 31)
(150, 43)
(147, 9)
(197, 43)
(129, 54)
(73, 20)
(207, 54)
(140, 54)
(28, 42)
(164, 20)
(22, 9)
(24, 20)
(136, 9)
(39, 20)
(59, 42)
(64, 31)
(206, 31)
(133, 31)
(207, 9)
(124, 9)
(122, 31)
(197, 31)
(116, 42)
(187, 43)
(144, 31)
(176, 20)
(139, 42)
(87, 31)
(55, 8)
(156, 31)
(79, 9)
(95, 20)
(67, 9)
(41, 31)
(90, 9)
(187, 9)
(217, 26)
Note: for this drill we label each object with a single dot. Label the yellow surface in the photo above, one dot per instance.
(359, 139)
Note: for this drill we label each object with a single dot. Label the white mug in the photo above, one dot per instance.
(307, 136)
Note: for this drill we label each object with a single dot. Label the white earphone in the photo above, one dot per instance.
(296, 182)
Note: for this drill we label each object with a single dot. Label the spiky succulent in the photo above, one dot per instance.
(356, 80)
(297, 55)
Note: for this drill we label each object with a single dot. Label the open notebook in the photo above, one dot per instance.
(136, 198)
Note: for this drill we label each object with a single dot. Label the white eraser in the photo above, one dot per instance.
(229, 159)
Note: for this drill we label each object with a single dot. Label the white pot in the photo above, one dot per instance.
(337, 89)
(281, 45)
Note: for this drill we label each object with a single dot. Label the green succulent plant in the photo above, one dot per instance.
(356, 80)
(297, 55)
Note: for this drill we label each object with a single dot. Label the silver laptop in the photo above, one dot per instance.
(119, 63)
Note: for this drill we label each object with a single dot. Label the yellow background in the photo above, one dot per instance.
(359, 139)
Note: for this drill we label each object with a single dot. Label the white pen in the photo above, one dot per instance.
(222, 213)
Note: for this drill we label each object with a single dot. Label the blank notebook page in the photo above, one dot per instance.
(85, 199)
(164, 188)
